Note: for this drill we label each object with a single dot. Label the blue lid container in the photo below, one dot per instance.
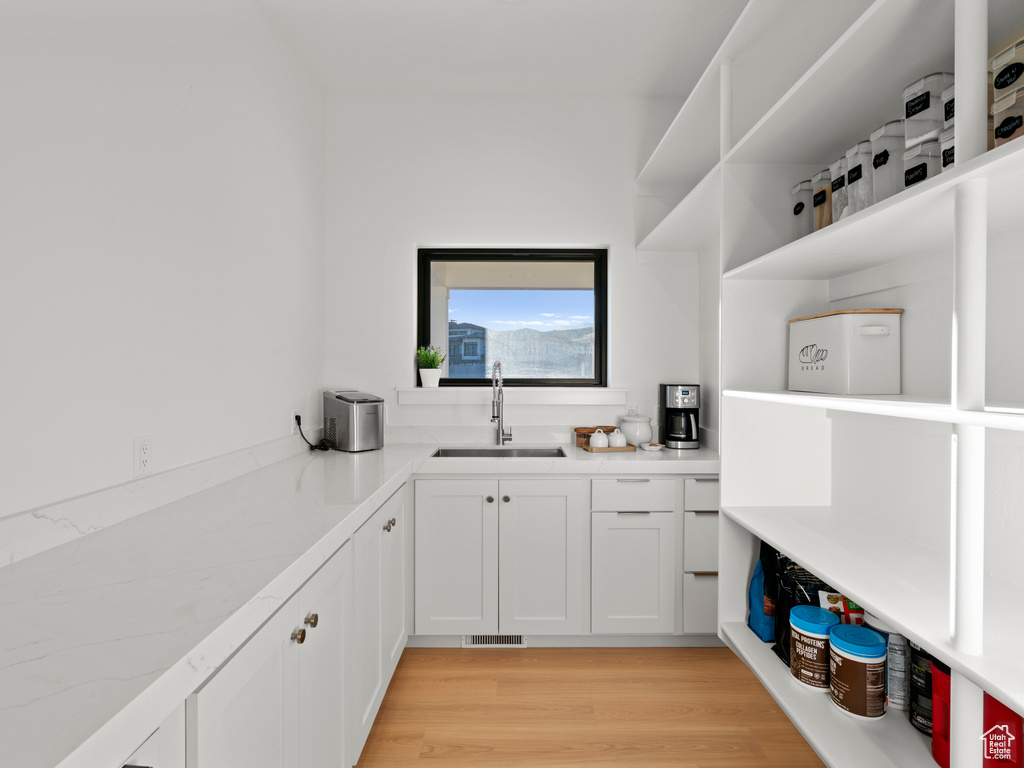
(857, 641)
(812, 620)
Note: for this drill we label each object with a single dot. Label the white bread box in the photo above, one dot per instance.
(848, 352)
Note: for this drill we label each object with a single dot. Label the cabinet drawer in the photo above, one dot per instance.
(700, 494)
(700, 541)
(700, 604)
(632, 494)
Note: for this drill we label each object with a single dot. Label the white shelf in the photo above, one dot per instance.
(696, 221)
(840, 740)
(855, 87)
(895, 406)
(901, 582)
(917, 220)
(791, 34)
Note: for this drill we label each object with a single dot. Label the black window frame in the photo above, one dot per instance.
(597, 256)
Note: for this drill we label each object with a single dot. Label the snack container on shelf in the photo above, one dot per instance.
(1008, 117)
(821, 183)
(923, 109)
(840, 197)
(946, 147)
(948, 107)
(859, 174)
(1007, 69)
(922, 162)
(846, 352)
(887, 147)
(803, 211)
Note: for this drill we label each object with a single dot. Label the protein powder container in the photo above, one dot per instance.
(920, 688)
(803, 212)
(857, 670)
(809, 644)
(896, 662)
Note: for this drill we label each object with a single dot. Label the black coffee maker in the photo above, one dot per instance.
(678, 415)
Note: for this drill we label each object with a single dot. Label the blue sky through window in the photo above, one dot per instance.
(505, 310)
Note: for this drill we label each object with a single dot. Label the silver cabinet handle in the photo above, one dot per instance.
(704, 479)
(705, 511)
(634, 512)
(633, 479)
(704, 573)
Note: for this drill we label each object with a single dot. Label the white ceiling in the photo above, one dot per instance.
(506, 47)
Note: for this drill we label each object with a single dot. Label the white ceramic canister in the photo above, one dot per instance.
(858, 177)
(803, 213)
(840, 197)
(857, 670)
(599, 439)
(616, 439)
(637, 428)
(896, 662)
(887, 170)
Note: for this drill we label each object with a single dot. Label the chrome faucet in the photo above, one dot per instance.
(498, 405)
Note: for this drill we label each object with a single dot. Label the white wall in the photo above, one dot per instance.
(404, 172)
(161, 239)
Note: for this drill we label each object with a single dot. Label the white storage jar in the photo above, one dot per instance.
(887, 147)
(859, 174)
(1007, 69)
(803, 211)
(948, 107)
(946, 147)
(846, 352)
(821, 182)
(1008, 117)
(922, 162)
(840, 197)
(922, 108)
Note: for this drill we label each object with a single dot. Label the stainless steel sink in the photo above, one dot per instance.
(496, 453)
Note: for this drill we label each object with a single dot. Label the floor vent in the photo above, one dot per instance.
(493, 641)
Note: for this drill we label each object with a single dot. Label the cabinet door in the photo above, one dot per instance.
(394, 631)
(541, 535)
(247, 714)
(633, 573)
(366, 661)
(456, 557)
(322, 663)
(700, 603)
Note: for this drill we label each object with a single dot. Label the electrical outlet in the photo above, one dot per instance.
(143, 456)
(295, 427)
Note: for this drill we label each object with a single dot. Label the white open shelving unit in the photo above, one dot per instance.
(910, 504)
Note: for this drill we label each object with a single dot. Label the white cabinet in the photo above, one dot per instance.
(634, 575)
(278, 703)
(541, 544)
(165, 748)
(379, 629)
(700, 556)
(502, 556)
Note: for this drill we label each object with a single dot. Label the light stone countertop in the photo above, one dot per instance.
(102, 637)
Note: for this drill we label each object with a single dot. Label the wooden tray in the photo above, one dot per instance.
(623, 449)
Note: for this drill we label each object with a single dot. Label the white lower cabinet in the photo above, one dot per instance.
(700, 556)
(165, 748)
(379, 628)
(633, 567)
(279, 702)
(500, 556)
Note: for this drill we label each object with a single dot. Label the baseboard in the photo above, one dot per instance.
(582, 641)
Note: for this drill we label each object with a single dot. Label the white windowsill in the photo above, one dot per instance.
(513, 396)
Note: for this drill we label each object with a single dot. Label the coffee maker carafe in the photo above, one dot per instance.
(678, 411)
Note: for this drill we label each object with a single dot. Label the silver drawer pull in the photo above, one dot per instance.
(633, 512)
(633, 479)
(705, 511)
(704, 573)
(704, 479)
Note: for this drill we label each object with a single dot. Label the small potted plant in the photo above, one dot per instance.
(429, 360)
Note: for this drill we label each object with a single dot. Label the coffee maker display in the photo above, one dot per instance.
(678, 412)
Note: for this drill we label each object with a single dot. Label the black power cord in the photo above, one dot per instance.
(321, 446)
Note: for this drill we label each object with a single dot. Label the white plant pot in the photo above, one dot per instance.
(429, 377)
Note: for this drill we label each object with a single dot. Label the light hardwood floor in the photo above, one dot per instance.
(685, 707)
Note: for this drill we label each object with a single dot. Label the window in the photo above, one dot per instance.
(540, 312)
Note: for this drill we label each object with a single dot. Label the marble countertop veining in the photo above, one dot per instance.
(102, 637)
